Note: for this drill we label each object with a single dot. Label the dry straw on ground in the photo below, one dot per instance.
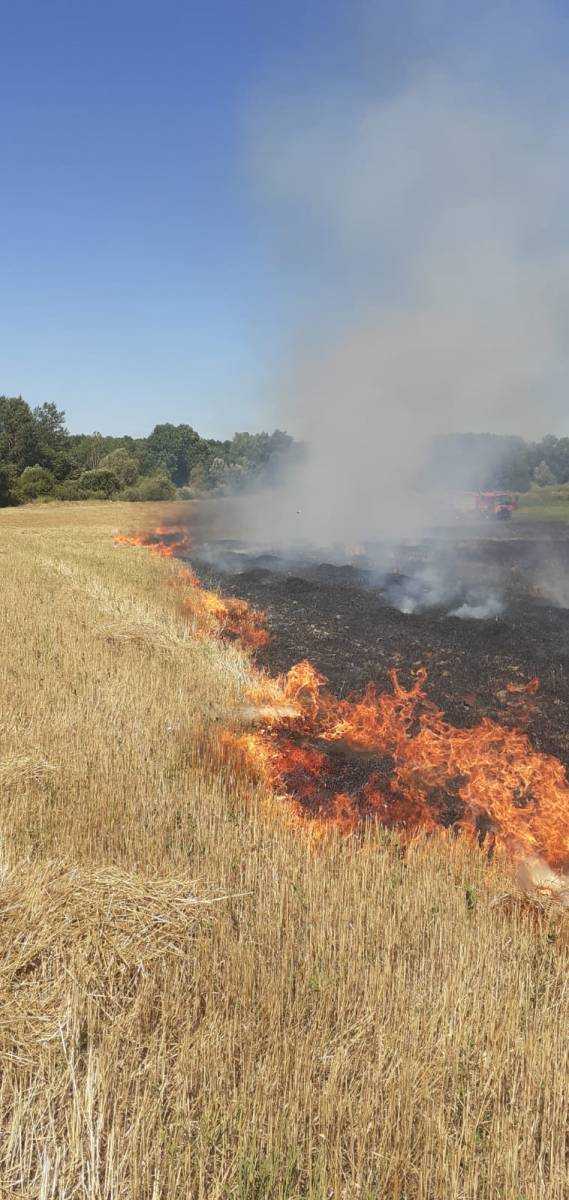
(359, 1022)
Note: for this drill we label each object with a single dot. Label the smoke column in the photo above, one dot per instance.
(425, 217)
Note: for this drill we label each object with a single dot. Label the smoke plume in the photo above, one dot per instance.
(425, 223)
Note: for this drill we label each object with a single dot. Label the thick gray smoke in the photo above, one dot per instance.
(426, 224)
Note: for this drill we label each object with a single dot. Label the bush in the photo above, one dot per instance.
(99, 483)
(543, 475)
(34, 482)
(543, 494)
(62, 465)
(130, 493)
(150, 487)
(69, 490)
(8, 479)
(156, 487)
(122, 465)
(200, 480)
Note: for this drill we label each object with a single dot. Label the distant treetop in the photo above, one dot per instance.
(39, 458)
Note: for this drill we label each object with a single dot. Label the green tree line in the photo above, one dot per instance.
(39, 458)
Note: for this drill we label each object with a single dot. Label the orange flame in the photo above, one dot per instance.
(388, 756)
(527, 689)
(168, 542)
(231, 616)
(393, 756)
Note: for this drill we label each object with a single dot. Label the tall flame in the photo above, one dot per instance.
(411, 768)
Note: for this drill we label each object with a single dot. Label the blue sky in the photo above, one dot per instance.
(138, 282)
(156, 262)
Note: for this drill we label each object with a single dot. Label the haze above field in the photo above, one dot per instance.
(242, 218)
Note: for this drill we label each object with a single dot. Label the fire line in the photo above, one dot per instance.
(389, 757)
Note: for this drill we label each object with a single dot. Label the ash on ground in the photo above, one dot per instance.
(482, 607)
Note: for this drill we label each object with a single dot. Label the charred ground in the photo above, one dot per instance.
(344, 618)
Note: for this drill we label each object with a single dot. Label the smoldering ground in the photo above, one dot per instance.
(341, 616)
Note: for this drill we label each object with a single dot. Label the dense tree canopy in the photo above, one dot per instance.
(39, 459)
(172, 449)
(19, 434)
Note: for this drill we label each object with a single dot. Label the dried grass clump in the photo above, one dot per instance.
(21, 767)
(97, 1003)
(144, 634)
(106, 929)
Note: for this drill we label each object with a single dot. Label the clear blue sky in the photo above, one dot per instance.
(144, 273)
(137, 284)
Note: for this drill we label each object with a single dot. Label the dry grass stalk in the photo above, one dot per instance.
(21, 767)
(363, 1021)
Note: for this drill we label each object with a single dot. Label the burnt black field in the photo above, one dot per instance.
(345, 616)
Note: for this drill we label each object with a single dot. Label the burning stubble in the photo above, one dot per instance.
(388, 757)
(352, 1018)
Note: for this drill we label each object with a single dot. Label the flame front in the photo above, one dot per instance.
(394, 757)
(168, 541)
(231, 616)
(385, 756)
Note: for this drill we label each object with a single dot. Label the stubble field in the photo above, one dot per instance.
(195, 1001)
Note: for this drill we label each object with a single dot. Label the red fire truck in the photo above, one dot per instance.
(499, 505)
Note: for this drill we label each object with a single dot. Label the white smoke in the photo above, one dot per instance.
(427, 226)
(491, 606)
